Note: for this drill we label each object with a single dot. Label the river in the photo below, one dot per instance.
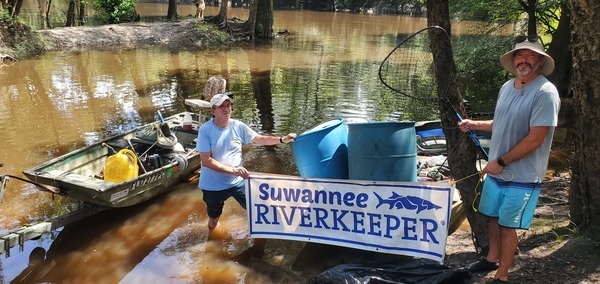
(54, 103)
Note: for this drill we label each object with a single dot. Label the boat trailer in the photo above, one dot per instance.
(25, 233)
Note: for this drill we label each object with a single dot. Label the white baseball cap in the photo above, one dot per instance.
(219, 99)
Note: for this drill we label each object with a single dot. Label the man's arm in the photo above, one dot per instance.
(209, 162)
(532, 141)
(483, 125)
(273, 140)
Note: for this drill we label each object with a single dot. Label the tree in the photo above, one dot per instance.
(13, 6)
(172, 10)
(264, 20)
(585, 185)
(260, 21)
(71, 14)
(221, 18)
(44, 13)
(461, 153)
(116, 11)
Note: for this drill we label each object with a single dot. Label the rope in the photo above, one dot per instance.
(479, 181)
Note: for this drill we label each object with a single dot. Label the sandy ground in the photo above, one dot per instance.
(550, 252)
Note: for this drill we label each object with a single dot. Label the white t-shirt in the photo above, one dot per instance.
(537, 104)
(225, 146)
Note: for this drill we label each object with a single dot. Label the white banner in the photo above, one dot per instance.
(408, 218)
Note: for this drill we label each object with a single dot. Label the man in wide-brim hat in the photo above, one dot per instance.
(522, 129)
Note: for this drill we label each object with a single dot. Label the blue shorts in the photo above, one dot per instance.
(513, 203)
(215, 199)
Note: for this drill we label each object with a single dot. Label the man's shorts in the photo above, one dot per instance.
(513, 203)
(215, 200)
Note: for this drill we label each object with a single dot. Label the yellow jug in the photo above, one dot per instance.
(121, 166)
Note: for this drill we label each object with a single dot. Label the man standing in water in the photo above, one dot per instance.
(522, 129)
(220, 146)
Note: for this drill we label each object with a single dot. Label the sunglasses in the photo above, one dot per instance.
(529, 38)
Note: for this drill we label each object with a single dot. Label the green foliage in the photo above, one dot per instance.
(501, 11)
(217, 35)
(4, 15)
(480, 74)
(116, 11)
(507, 12)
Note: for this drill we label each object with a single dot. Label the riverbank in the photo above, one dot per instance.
(18, 41)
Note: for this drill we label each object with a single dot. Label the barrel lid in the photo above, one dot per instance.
(325, 125)
(406, 123)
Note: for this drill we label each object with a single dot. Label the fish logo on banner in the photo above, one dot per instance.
(406, 202)
(409, 218)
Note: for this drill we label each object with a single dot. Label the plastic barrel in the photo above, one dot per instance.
(385, 151)
(322, 152)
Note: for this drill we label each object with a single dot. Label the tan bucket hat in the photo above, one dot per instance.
(507, 59)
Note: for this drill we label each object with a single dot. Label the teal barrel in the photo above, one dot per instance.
(322, 151)
(382, 151)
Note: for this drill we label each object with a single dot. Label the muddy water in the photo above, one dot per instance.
(55, 103)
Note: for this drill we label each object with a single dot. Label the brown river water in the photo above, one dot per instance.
(55, 103)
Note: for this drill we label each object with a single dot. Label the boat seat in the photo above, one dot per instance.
(197, 103)
(431, 145)
(153, 135)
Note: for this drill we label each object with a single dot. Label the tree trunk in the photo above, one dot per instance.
(559, 50)
(264, 20)
(330, 5)
(71, 14)
(461, 151)
(221, 18)
(585, 185)
(81, 17)
(172, 11)
(47, 17)
(42, 13)
(15, 7)
(250, 24)
(531, 23)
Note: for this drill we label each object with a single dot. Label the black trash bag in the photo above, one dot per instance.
(415, 271)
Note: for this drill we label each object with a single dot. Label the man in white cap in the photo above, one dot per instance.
(220, 146)
(522, 129)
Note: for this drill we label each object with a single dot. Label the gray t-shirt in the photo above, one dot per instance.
(537, 104)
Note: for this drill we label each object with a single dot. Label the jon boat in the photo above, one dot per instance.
(144, 162)
(431, 140)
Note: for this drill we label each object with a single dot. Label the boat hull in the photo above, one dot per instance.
(78, 174)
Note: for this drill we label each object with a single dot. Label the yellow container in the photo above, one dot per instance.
(121, 166)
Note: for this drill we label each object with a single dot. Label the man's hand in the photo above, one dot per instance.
(240, 171)
(288, 138)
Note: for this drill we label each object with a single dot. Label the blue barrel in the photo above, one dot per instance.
(382, 151)
(322, 152)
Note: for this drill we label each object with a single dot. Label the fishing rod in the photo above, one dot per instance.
(471, 134)
(412, 77)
